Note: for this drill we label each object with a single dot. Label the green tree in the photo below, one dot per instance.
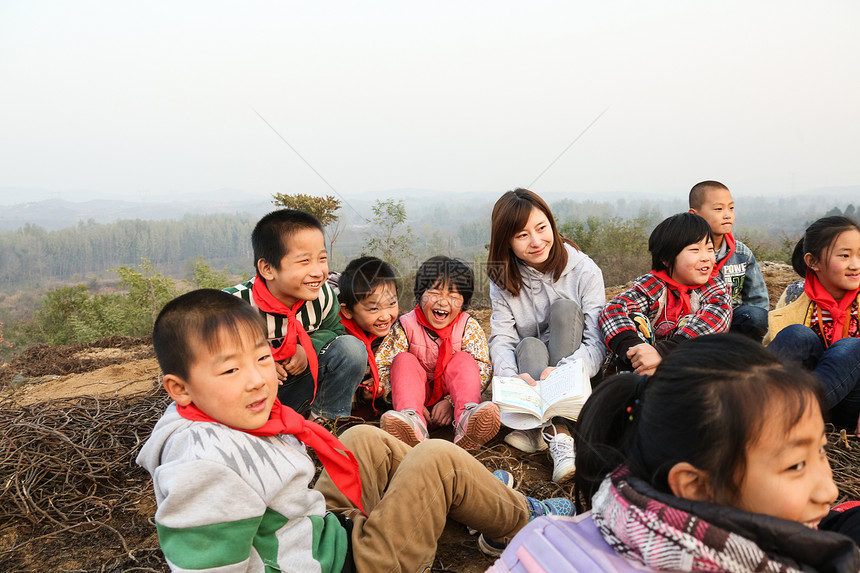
(206, 277)
(148, 291)
(389, 237)
(323, 208)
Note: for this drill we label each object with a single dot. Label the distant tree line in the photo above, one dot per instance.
(32, 255)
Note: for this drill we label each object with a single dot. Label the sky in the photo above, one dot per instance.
(140, 101)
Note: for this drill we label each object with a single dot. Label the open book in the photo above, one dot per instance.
(562, 394)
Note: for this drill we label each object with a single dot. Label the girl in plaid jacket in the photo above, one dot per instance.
(681, 298)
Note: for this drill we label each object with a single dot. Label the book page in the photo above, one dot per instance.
(516, 393)
(564, 381)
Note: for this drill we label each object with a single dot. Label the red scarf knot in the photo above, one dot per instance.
(840, 310)
(267, 302)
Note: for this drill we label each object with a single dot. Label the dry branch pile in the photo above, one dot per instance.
(67, 466)
(68, 481)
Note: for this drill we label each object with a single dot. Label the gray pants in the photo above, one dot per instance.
(566, 323)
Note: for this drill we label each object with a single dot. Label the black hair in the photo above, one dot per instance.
(200, 317)
(705, 404)
(361, 277)
(818, 240)
(699, 190)
(271, 233)
(673, 235)
(442, 271)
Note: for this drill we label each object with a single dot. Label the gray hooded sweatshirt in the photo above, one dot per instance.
(518, 317)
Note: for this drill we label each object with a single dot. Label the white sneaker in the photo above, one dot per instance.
(563, 457)
(528, 441)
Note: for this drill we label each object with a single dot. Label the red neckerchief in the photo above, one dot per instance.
(682, 290)
(355, 330)
(446, 352)
(341, 465)
(267, 302)
(840, 310)
(730, 241)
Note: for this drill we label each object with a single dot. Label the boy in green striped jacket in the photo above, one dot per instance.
(319, 366)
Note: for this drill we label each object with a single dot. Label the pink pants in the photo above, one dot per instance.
(410, 387)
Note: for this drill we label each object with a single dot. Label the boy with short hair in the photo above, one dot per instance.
(735, 261)
(231, 472)
(319, 367)
(368, 310)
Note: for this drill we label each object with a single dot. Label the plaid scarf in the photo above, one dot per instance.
(666, 533)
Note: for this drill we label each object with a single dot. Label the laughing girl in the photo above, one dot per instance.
(438, 362)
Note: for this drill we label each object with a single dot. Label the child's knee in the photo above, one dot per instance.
(405, 360)
(346, 352)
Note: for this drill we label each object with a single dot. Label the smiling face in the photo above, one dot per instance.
(718, 209)
(441, 304)
(302, 269)
(788, 475)
(376, 312)
(532, 244)
(233, 382)
(694, 264)
(839, 271)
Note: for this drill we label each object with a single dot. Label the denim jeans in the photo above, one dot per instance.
(566, 323)
(342, 363)
(837, 368)
(750, 321)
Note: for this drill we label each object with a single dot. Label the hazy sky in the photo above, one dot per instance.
(144, 99)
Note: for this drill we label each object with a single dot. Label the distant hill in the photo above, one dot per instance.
(55, 214)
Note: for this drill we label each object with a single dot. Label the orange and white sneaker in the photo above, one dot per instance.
(478, 424)
(405, 425)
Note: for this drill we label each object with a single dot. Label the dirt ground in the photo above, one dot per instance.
(114, 530)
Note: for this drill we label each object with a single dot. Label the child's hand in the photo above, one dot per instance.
(528, 378)
(282, 373)
(546, 372)
(296, 363)
(442, 413)
(644, 358)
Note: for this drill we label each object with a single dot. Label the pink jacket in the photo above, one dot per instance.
(425, 348)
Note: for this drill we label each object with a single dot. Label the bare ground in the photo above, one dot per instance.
(86, 409)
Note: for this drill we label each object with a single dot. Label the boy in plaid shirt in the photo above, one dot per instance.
(680, 298)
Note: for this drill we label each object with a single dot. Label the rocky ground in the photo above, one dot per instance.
(72, 498)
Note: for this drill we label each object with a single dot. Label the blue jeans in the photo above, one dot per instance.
(342, 363)
(837, 368)
(750, 321)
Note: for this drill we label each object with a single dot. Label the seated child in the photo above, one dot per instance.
(231, 472)
(318, 366)
(816, 320)
(677, 300)
(437, 361)
(368, 310)
(714, 463)
(735, 261)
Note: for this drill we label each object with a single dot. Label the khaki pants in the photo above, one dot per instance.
(422, 486)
